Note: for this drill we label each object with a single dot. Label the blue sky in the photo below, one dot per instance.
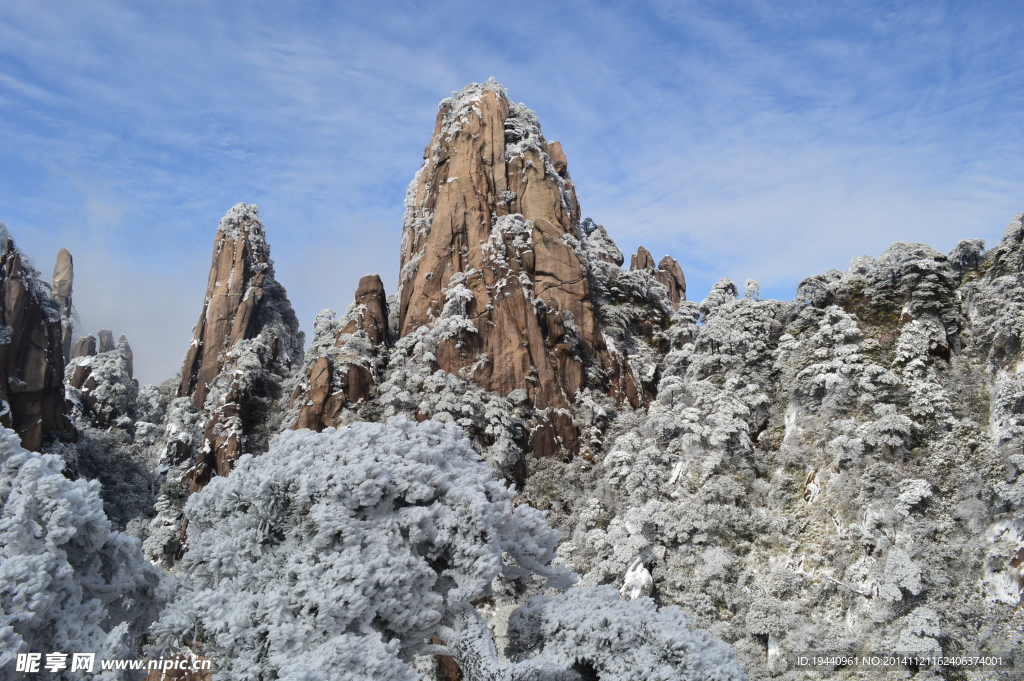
(748, 139)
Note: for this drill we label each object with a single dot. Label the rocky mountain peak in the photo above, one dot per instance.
(234, 291)
(246, 332)
(345, 360)
(491, 236)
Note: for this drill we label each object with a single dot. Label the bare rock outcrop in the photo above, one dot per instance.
(246, 335)
(668, 273)
(84, 347)
(671, 275)
(106, 341)
(490, 236)
(100, 384)
(345, 360)
(641, 260)
(63, 280)
(31, 353)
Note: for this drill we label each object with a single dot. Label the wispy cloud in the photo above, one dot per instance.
(749, 139)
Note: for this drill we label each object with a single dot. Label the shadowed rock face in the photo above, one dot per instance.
(349, 371)
(31, 354)
(247, 329)
(107, 341)
(492, 221)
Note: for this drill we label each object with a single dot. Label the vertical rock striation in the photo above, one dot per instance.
(234, 291)
(246, 333)
(31, 353)
(491, 229)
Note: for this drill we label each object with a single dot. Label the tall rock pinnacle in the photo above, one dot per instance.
(491, 226)
(234, 291)
(247, 329)
(63, 278)
(31, 353)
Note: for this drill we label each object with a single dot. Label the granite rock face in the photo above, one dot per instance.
(31, 353)
(234, 292)
(491, 228)
(346, 358)
(671, 275)
(246, 333)
(106, 341)
(63, 280)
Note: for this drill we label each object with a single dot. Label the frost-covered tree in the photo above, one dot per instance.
(118, 423)
(340, 554)
(68, 582)
(838, 472)
(599, 635)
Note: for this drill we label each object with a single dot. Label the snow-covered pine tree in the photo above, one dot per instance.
(340, 554)
(68, 582)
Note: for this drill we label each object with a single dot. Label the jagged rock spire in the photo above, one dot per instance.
(491, 225)
(31, 353)
(246, 331)
(234, 291)
(107, 341)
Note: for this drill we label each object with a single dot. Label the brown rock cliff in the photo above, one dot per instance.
(63, 280)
